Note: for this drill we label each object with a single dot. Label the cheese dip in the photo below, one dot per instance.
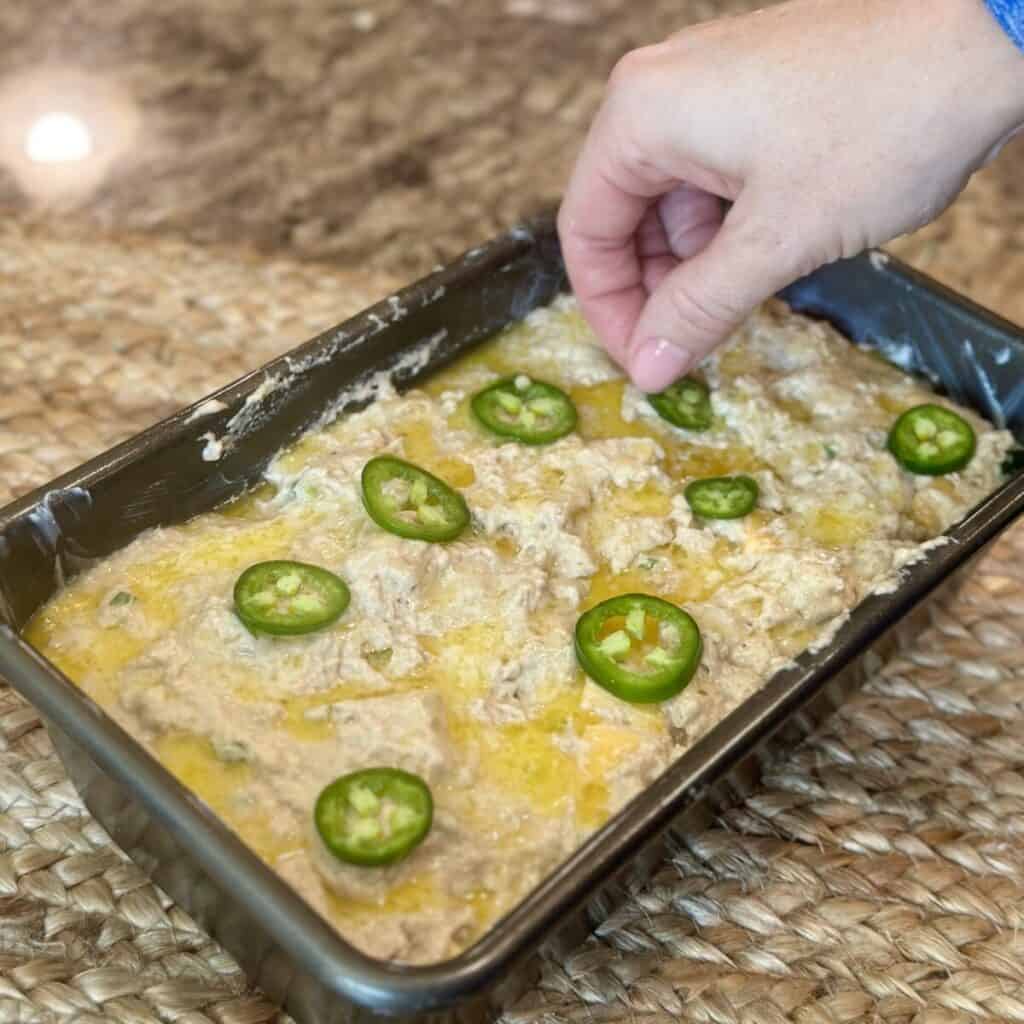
(431, 627)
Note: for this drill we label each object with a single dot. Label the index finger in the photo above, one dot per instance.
(604, 204)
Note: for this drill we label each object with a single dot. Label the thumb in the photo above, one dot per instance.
(699, 303)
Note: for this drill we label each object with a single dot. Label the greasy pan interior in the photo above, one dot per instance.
(213, 451)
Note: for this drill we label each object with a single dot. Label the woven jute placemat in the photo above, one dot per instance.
(97, 341)
(878, 875)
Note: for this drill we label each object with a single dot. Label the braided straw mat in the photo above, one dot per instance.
(878, 874)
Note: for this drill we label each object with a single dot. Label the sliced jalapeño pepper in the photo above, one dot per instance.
(931, 440)
(722, 497)
(638, 647)
(287, 598)
(685, 404)
(375, 816)
(525, 410)
(410, 502)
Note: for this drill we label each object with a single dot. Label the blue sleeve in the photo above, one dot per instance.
(1010, 14)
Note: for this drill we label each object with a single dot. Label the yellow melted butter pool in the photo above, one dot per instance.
(529, 759)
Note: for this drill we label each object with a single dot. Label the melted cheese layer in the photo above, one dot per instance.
(456, 661)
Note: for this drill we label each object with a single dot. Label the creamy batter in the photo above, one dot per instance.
(455, 661)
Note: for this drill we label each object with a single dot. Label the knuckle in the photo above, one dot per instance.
(708, 314)
(636, 156)
(623, 72)
(631, 68)
(634, 140)
(574, 242)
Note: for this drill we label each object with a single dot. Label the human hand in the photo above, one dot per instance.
(830, 125)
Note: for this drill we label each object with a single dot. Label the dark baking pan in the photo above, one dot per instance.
(213, 451)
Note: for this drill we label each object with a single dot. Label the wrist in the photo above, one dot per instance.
(1010, 16)
(993, 31)
(972, 73)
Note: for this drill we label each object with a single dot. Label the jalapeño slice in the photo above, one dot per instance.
(287, 598)
(410, 502)
(931, 440)
(722, 497)
(638, 647)
(685, 404)
(526, 410)
(375, 816)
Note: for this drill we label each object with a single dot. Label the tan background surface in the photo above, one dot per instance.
(293, 160)
(386, 135)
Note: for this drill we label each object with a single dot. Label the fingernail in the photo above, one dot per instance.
(657, 363)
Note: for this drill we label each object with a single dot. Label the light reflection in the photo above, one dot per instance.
(58, 138)
(62, 130)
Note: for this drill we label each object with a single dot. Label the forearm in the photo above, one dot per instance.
(998, 55)
(978, 73)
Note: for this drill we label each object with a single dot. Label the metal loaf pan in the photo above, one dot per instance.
(214, 450)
